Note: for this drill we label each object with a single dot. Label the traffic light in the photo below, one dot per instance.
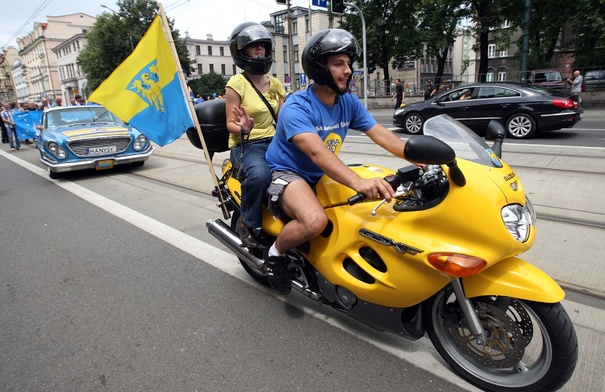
(371, 63)
(338, 6)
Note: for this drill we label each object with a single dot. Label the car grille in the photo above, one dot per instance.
(79, 147)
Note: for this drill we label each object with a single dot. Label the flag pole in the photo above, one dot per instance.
(175, 55)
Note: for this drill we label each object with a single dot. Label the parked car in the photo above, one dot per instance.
(594, 79)
(88, 137)
(522, 108)
(547, 78)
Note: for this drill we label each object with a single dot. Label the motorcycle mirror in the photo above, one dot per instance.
(428, 150)
(432, 151)
(496, 132)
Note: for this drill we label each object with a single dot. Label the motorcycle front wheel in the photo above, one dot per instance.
(529, 346)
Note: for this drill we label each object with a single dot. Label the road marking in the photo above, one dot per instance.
(419, 353)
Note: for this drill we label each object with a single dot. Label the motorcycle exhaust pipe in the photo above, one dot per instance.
(222, 232)
(227, 237)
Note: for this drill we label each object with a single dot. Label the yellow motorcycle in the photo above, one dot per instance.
(440, 259)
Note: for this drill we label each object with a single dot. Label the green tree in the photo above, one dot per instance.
(589, 32)
(438, 22)
(488, 16)
(390, 31)
(114, 35)
(207, 84)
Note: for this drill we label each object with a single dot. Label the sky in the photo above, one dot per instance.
(199, 17)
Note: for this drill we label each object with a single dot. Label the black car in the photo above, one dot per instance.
(522, 108)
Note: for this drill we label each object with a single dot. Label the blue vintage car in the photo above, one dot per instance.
(89, 137)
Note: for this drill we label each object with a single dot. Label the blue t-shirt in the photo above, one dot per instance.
(303, 112)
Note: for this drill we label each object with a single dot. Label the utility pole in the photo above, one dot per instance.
(291, 50)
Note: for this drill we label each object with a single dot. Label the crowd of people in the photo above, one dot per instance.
(7, 116)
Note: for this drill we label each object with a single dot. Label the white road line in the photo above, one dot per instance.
(419, 353)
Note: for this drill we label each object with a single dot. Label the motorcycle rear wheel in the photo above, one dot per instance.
(257, 275)
(530, 346)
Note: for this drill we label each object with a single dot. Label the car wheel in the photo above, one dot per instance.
(54, 175)
(138, 164)
(412, 123)
(520, 126)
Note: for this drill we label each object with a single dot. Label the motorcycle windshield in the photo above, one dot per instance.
(465, 142)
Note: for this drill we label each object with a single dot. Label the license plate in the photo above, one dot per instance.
(101, 150)
(104, 164)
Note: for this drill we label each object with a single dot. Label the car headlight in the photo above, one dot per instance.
(518, 219)
(140, 142)
(56, 150)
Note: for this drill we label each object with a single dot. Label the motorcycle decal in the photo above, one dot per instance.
(399, 246)
(509, 176)
(494, 158)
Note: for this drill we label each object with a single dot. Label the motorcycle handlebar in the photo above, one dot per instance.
(393, 181)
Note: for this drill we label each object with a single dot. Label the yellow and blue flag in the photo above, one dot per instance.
(146, 91)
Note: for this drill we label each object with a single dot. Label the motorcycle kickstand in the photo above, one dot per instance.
(469, 312)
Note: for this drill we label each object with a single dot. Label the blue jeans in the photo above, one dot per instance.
(13, 139)
(258, 178)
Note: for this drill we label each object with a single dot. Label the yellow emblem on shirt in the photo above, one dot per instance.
(333, 142)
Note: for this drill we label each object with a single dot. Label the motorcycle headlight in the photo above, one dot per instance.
(518, 219)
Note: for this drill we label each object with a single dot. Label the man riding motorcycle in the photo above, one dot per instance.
(311, 129)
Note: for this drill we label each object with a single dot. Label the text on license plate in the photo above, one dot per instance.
(101, 150)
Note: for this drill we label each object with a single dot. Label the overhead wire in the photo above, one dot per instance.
(37, 11)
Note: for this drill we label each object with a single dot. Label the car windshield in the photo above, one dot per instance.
(79, 116)
(465, 142)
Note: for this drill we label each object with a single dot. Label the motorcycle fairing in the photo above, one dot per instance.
(515, 278)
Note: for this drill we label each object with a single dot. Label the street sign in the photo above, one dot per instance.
(320, 3)
(280, 1)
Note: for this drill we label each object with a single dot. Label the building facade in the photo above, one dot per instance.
(36, 52)
(71, 78)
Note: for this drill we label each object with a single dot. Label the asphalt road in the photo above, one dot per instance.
(103, 295)
(90, 301)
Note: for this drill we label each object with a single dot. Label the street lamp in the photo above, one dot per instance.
(116, 14)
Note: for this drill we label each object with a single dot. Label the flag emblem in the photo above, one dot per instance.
(147, 85)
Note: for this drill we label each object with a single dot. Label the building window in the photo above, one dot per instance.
(307, 24)
(505, 24)
(209, 50)
(198, 50)
(200, 69)
(285, 53)
(234, 70)
(279, 24)
(490, 76)
(503, 53)
(222, 51)
(211, 67)
(296, 53)
(294, 27)
(223, 69)
(491, 51)
(502, 75)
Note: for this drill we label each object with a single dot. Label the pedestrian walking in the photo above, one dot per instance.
(429, 90)
(399, 94)
(576, 86)
(9, 122)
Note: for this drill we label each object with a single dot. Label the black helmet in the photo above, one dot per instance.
(319, 47)
(248, 33)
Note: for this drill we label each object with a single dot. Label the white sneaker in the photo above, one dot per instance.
(12, 149)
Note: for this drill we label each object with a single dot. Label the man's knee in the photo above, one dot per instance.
(316, 223)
